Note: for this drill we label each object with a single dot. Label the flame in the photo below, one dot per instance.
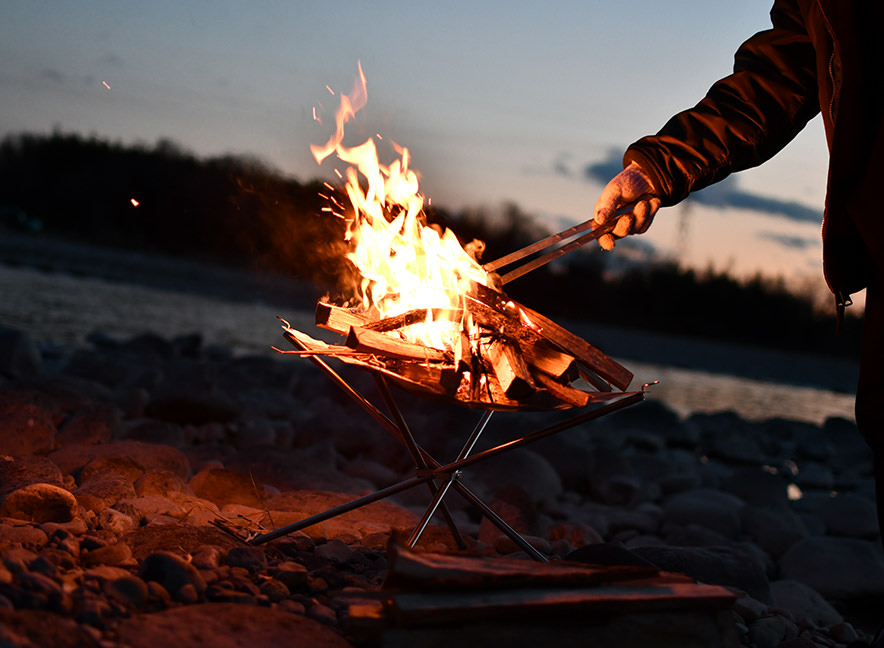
(404, 263)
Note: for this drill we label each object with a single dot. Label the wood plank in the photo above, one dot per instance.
(360, 339)
(412, 317)
(558, 336)
(550, 361)
(510, 369)
(337, 319)
(564, 393)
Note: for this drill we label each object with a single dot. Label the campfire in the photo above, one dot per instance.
(428, 314)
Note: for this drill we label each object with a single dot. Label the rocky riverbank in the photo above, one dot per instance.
(118, 457)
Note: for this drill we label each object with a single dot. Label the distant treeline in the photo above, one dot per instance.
(238, 211)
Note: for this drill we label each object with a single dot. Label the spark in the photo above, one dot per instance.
(104, 83)
(339, 174)
(327, 185)
(330, 90)
(316, 117)
(134, 202)
(378, 135)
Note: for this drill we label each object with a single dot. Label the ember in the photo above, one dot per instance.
(427, 313)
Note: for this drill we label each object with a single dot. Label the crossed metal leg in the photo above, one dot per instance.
(439, 478)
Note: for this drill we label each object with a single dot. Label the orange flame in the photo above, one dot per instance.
(404, 263)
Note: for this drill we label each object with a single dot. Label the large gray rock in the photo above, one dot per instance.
(837, 568)
(804, 603)
(774, 530)
(727, 566)
(849, 514)
(710, 508)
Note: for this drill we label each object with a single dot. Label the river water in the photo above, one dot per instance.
(61, 309)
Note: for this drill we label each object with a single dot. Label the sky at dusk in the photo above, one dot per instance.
(497, 101)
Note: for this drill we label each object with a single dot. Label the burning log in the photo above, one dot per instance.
(509, 367)
(503, 356)
(368, 341)
(338, 319)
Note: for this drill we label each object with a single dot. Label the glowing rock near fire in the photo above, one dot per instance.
(405, 264)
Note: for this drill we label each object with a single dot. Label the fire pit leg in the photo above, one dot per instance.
(453, 477)
(418, 458)
(341, 509)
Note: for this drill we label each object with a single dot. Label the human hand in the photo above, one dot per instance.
(630, 197)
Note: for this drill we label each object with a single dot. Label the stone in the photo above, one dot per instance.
(735, 448)
(40, 503)
(291, 469)
(774, 530)
(18, 472)
(29, 629)
(26, 430)
(19, 355)
(162, 482)
(294, 575)
(103, 491)
(118, 553)
(850, 515)
(222, 487)
(116, 465)
(128, 590)
(149, 456)
(229, 625)
(772, 631)
(517, 509)
(25, 535)
(726, 566)
(838, 568)
(758, 487)
(139, 508)
(187, 395)
(252, 559)
(116, 521)
(113, 367)
(612, 479)
(374, 518)
(713, 509)
(803, 603)
(814, 475)
(172, 572)
(152, 431)
(96, 423)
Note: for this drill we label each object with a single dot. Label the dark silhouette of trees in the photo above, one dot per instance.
(237, 211)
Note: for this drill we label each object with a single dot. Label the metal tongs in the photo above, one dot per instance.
(549, 242)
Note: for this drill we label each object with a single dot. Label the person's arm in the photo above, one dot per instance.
(743, 121)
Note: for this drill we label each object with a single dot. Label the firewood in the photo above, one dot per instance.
(385, 345)
(604, 366)
(411, 317)
(338, 319)
(564, 393)
(550, 361)
(510, 369)
(610, 370)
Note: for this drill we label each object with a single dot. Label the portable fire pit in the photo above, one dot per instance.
(426, 316)
(522, 362)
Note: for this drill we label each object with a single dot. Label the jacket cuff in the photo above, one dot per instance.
(662, 184)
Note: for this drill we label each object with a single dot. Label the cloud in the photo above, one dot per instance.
(792, 242)
(52, 75)
(722, 194)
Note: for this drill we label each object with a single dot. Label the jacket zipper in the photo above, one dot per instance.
(842, 301)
